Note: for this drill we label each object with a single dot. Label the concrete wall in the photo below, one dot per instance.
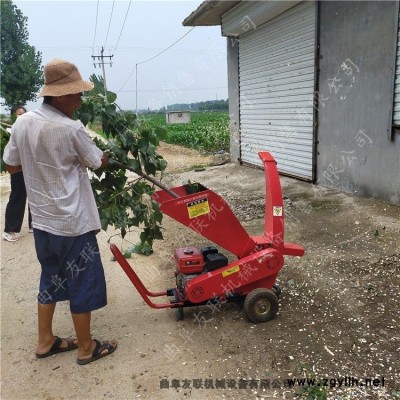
(233, 93)
(357, 54)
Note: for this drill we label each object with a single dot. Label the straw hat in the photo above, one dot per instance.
(62, 78)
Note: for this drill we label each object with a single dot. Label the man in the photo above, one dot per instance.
(54, 152)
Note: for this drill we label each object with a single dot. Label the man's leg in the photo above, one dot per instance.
(82, 329)
(86, 345)
(45, 325)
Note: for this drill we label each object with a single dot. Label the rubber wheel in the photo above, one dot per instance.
(261, 305)
(179, 313)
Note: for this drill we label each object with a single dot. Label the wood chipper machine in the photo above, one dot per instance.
(204, 275)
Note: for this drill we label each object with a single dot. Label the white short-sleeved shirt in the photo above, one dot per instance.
(54, 152)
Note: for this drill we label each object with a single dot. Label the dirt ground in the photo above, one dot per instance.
(338, 320)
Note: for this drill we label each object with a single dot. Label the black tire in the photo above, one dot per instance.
(277, 290)
(261, 305)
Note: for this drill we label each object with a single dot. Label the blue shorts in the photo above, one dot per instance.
(71, 270)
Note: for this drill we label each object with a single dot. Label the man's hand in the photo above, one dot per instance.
(12, 169)
(104, 160)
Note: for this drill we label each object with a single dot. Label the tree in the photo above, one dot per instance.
(21, 71)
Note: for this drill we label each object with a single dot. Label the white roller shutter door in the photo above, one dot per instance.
(276, 80)
(396, 108)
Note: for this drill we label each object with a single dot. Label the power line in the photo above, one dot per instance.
(152, 58)
(172, 90)
(126, 15)
(109, 23)
(129, 77)
(173, 44)
(95, 26)
(181, 51)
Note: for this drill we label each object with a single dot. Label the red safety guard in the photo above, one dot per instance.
(208, 214)
(274, 211)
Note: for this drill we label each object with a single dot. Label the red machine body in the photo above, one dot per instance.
(204, 275)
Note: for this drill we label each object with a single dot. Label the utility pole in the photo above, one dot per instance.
(136, 90)
(100, 62)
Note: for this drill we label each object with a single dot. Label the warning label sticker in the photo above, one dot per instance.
(277, 211)
(198, 207)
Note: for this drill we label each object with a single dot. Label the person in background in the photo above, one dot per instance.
(54, 151)
(15, 209)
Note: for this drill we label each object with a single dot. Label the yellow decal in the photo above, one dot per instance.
(231, 271)
(198, 207)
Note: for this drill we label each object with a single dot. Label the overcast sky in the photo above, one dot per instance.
(193, 70)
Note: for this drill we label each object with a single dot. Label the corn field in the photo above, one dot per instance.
(207, 131)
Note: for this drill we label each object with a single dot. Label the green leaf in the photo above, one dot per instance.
(85, 118)
(4, 138)
(151, 149)
(134, 164)
(157, 234)
(162, 164)
(143, 248)
(157, 215)
(104, 224)
(150, 168)
(110, 110)
(127, 254)
(111, 97)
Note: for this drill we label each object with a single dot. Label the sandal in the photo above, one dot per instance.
(56, 348)
(98, 352)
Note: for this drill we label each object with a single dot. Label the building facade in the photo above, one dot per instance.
(317, 84)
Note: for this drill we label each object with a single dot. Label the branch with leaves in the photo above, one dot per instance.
(4, 138)
(130, 142)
